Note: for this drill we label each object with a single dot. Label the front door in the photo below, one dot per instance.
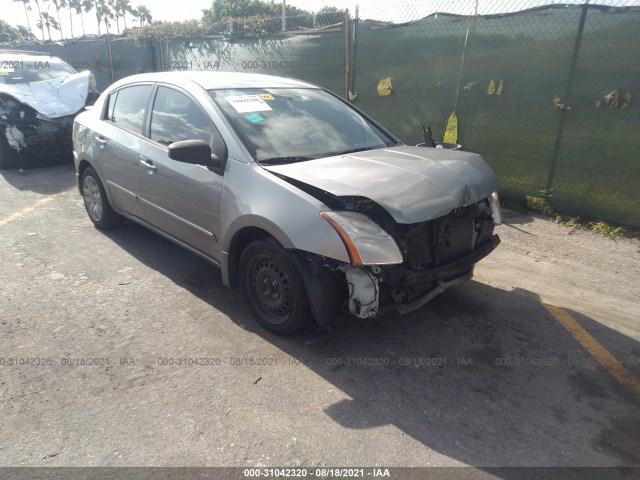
(178, 198)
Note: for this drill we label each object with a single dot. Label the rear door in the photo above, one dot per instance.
(116, 145)
(180, 199)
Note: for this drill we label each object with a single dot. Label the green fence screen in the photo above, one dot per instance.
(548, 94)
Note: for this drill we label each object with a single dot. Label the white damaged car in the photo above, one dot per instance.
(40, 95)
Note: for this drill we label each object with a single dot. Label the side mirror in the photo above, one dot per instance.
(197, 152)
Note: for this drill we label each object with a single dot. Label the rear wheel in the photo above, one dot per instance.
(96, 202)
(273, 288)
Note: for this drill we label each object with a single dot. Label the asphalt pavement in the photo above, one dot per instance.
(120, 349)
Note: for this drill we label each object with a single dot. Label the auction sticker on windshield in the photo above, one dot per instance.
(248, 103)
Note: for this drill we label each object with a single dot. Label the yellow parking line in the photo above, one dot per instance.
(38, 204)
(606, 359)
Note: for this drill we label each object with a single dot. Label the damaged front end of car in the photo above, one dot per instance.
(36, 120)
(405, 247)
(415, 262)
(401, 267)
(34, 140)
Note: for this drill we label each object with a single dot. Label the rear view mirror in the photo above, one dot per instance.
(197, 152)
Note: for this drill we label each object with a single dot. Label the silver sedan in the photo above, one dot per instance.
(304, 202)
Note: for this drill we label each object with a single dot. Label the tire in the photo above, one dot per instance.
(273, 288)
(96, 202)
(8, 155)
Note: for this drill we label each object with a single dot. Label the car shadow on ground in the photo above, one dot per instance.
(482, 375)
(46, 180)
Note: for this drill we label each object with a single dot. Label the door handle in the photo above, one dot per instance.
(148, 165)
(101, 142)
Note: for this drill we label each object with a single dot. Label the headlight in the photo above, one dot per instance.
(496, 211)
(366, 242)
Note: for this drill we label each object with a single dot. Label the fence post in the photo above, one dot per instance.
(565, 99)
(66, 42)
(346, 54)
(162, 64)
(352, 83)
(284, 15)
(113, 76)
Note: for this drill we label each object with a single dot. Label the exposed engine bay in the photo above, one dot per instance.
(437, 254)
(38, 103)
(27, 130)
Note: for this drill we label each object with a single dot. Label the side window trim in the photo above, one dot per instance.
(146, 131)
(109, 104)
(147, 113)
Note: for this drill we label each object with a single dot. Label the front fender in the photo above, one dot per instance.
(253, 197)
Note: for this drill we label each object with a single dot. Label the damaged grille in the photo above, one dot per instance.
(442, 241)
(455, 240)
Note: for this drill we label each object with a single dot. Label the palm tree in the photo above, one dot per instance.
(77, 6)
(26, 14)
(59, 4)
(49, 22)
(144, 15)
(99, 6)
(81, 7)
(40, 23)
(114, 8)
(105, 13)
(124, 6)
(72, 5)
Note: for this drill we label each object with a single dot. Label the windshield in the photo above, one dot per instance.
(283, 125)
(14, 72)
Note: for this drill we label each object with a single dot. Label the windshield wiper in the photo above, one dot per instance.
(354, 150)
(283, 160)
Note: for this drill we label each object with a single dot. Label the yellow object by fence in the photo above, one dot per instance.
(384, 87)
(451, 131)
(491, 89)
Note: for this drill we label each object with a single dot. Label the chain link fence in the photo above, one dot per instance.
(548, 94)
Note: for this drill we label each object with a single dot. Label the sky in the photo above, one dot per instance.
(390, 10)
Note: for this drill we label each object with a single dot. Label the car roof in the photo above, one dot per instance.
(18, 55)
(219, 80)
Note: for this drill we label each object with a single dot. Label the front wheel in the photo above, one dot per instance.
(96, 202)
(273, 288)
(8, 155)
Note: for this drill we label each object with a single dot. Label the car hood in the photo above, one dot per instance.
(52, 98)
(414, 184)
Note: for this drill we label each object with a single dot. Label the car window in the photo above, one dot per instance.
(176, 117)
(129, 107)
(287, 124)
